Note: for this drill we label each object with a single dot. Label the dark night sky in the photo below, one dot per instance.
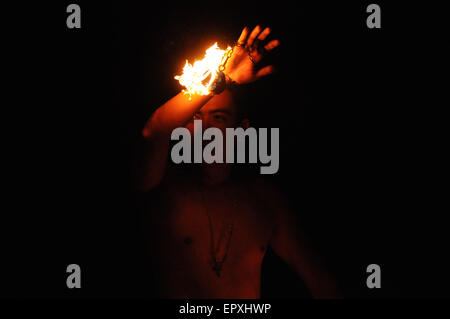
(353, 111)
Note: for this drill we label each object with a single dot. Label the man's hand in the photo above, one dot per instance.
(242, 66)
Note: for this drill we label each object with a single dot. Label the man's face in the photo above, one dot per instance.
(219, 112)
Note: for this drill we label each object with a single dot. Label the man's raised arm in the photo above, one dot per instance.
(176, 112)
(241, 68)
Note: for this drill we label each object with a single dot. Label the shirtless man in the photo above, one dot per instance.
(209, 230)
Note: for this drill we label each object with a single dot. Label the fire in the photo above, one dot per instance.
(197, 78)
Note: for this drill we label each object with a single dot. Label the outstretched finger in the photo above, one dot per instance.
(265, 71)
(263, 35)
(243, 36)
(272, 45)
(253, 35)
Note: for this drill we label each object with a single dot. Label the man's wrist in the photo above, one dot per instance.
(229, 81)
(222, 82)
(219, 83)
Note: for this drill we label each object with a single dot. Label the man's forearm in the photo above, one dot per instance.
(174, 113)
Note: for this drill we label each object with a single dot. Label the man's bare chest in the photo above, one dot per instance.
(216, 225)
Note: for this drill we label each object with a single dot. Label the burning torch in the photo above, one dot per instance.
(206, 76)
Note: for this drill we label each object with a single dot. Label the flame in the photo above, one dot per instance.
(197, 78)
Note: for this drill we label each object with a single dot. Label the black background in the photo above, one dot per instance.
(360, 120)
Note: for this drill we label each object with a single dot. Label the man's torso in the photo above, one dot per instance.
(189, 218)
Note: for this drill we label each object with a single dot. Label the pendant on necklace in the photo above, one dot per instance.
(217, 267)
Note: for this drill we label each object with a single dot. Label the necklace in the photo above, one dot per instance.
(217, 263)
(216, 260)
